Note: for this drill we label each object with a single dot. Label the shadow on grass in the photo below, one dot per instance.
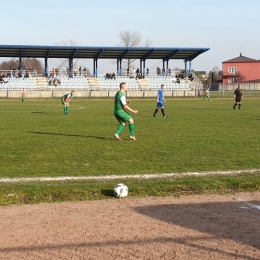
(72, 135)
(108, 193)
(39, 112)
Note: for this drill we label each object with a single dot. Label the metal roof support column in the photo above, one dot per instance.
(71, 65)
(96, 61)
(144, 72)
(20, 60)
(117, 68)
(167, 68)
(120, 67)
(163, 65)
(186, 73)
(94, 68)
(46, 67)
(190, 66)
(46, 63)
(141, 71)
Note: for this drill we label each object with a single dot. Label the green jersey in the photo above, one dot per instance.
(120, 101)
(67, 96)
(119, 112)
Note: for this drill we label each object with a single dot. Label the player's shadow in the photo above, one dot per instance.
(238, 221)
(40, 112)
(69, 135)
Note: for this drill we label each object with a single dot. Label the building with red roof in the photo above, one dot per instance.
(241, 70)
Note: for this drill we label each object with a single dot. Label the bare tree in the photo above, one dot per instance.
(63, 62)
(27, 64)
(131, 39)
(240, 78)
(32, 64)
(9, 65)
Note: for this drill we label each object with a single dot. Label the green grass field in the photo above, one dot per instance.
(39, 141)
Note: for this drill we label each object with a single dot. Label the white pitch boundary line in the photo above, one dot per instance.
(121, 177)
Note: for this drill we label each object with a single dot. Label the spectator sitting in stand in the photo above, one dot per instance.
(3, 78)
(110, 76)
(190, 76)
(158, 71)
(26, 75)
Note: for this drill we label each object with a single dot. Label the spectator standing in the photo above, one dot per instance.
(163, 71)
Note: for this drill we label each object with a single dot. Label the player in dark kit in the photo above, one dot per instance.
(238, 97)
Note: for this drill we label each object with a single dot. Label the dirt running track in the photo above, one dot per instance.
(188, 227)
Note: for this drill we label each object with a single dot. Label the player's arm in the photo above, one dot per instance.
(125, 106)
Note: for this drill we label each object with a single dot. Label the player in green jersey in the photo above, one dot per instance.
(65, 100)
(121, 112)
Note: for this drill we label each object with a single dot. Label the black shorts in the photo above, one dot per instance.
(238, 99)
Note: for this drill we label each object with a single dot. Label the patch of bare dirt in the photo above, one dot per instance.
(188, 227)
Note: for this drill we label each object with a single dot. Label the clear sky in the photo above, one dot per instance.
(227, 27)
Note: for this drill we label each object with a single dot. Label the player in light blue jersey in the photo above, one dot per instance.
(160, 102)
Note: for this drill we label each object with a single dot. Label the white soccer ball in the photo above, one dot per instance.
(120, 190)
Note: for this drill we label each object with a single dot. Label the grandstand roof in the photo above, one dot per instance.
(86, 52)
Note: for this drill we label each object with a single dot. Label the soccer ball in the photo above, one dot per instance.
(120, 190)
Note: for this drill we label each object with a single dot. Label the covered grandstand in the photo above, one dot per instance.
(95, 82)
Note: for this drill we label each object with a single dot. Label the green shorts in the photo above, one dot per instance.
(63, 102)
(122, 116)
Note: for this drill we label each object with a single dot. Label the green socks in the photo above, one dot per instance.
(120, 129)
(66, 110)
(132, 129)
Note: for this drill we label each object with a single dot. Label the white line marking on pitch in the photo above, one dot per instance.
(78, 108)
(119, 177)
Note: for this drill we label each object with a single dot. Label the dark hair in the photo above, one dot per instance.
(121, 84)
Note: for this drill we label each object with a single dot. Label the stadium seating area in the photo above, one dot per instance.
(81, 82)
(114, 83)
(19, 83)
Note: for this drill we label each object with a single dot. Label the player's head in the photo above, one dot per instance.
(123, 86)
(239, 86)
(72, 92)
(162, 87)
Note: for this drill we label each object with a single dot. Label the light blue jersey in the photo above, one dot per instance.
(160, 98)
